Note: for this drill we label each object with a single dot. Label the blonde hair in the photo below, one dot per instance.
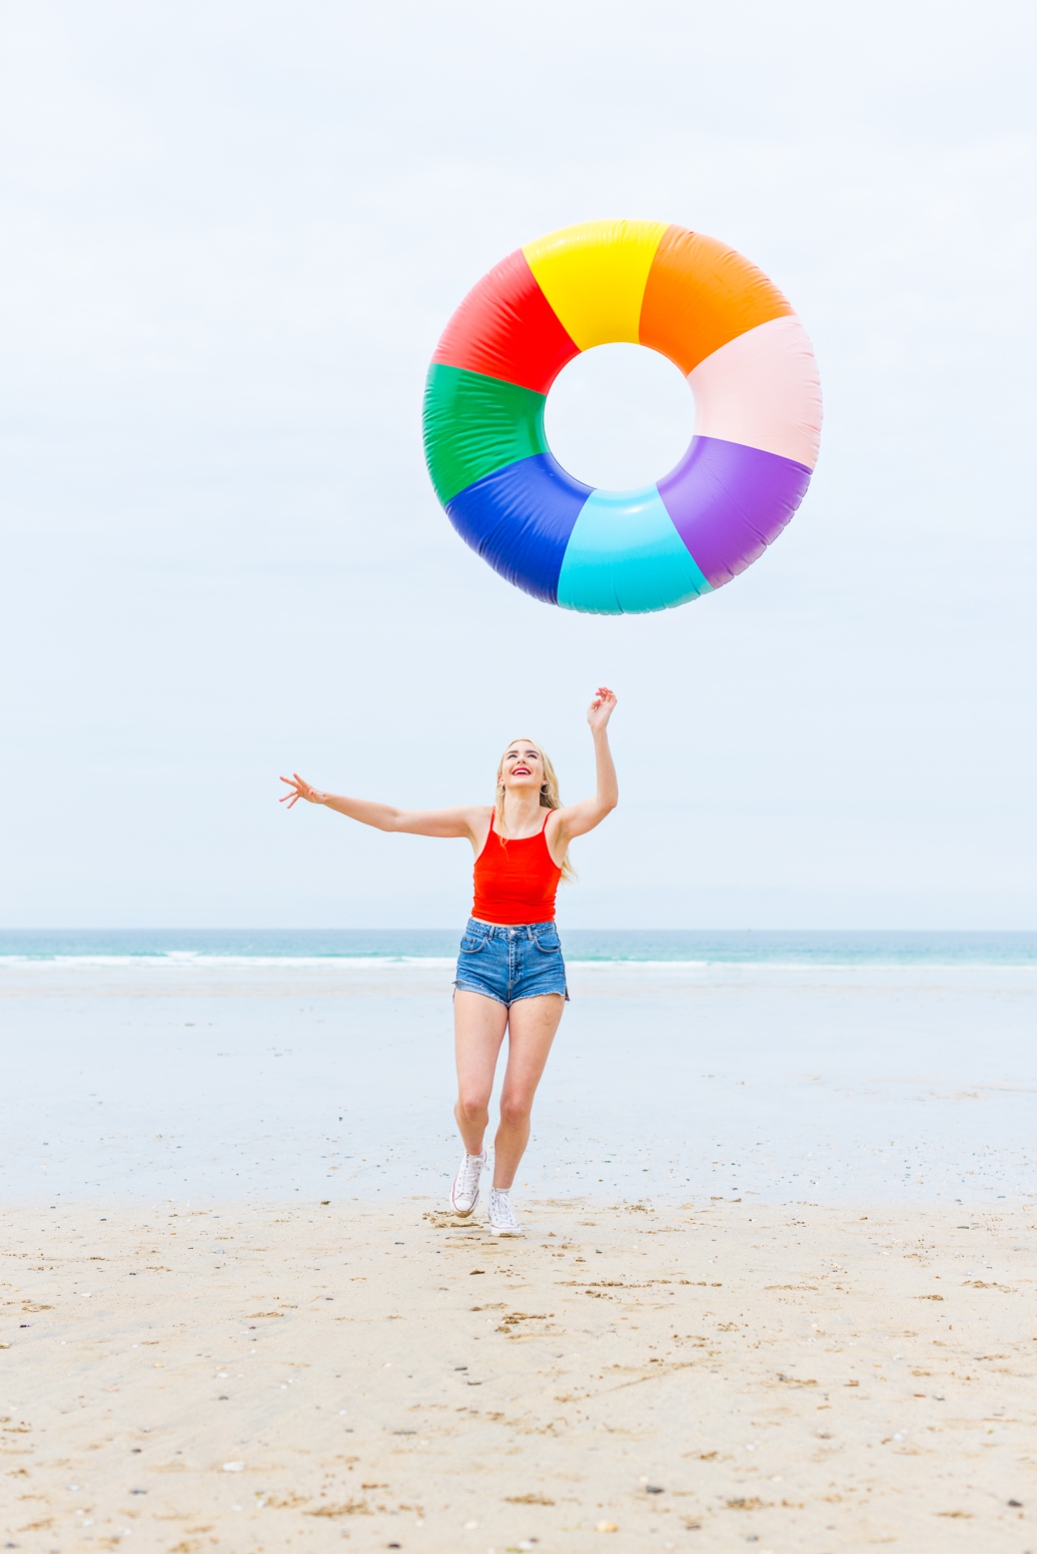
(549, 799)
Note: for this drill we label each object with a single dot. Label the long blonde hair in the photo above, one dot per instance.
(549, 799)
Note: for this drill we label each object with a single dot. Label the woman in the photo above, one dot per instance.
(510, 972)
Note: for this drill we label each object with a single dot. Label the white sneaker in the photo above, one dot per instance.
(464, 1194)
(502, 1215)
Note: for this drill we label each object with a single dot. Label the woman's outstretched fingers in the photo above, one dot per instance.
(602, 707)
(300, 790)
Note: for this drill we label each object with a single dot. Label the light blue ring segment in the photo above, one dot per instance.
(656, 572)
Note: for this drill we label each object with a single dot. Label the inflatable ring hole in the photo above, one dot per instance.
(619, 417)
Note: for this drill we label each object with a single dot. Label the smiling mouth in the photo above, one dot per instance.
(520, 771)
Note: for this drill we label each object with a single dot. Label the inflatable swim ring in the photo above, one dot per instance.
(758, 416)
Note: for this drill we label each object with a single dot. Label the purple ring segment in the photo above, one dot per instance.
(729, 501)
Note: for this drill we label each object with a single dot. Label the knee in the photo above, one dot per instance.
(472, 1105)
(515, 1110)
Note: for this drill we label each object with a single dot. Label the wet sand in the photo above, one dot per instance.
(715, 1376)
(209, 1080)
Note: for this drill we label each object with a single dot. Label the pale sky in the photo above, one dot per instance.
(233, 234)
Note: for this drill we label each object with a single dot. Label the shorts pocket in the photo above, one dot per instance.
(471, 944)
(549, 943)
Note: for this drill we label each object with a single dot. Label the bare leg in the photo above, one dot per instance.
(479, 1026)
(531, 1030)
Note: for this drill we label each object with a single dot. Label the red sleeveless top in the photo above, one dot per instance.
(515, 880)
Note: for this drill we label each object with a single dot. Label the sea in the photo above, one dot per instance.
(306, 1065)
(693, 947)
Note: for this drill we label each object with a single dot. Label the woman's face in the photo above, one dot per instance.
(522, 767)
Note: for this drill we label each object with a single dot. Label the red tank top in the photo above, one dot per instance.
(515, 880)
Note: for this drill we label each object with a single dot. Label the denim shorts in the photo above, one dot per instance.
(507, 964)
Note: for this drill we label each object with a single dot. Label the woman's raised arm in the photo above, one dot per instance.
(578, 819)
(416, 822)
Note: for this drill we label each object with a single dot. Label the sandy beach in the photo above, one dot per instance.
(707, 1376)
(775, 1292)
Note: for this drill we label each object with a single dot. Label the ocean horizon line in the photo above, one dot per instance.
(645, 946)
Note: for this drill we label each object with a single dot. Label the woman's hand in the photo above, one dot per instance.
(300, 790)
(601, 709)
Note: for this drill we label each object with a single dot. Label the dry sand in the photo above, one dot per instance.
(701, 1378)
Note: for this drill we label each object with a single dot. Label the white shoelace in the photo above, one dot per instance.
(502, 1215)
(467, 1187)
